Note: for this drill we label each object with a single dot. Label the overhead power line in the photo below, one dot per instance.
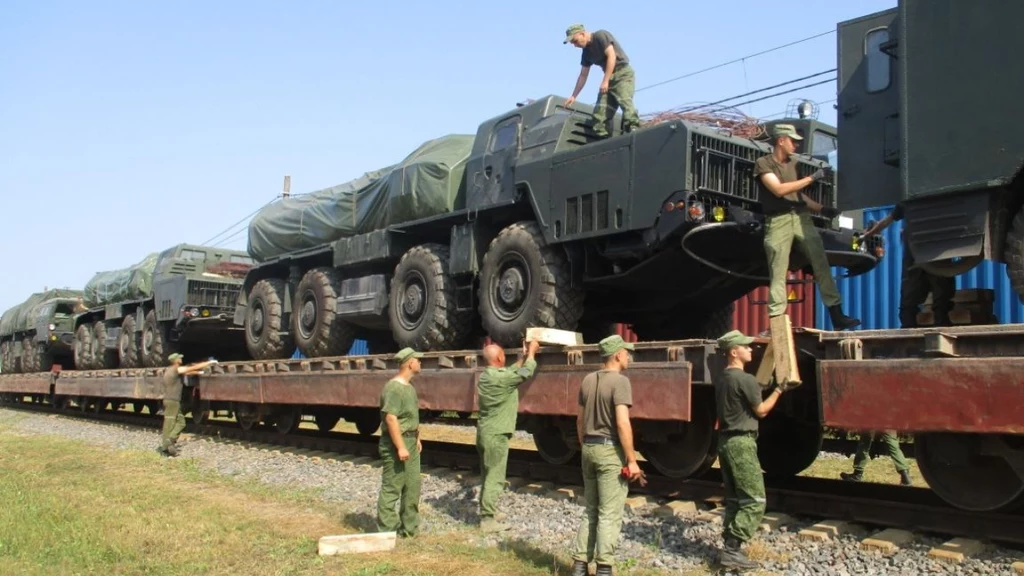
(244, 218)
(759, 90)
(741, 59)
(783, 92)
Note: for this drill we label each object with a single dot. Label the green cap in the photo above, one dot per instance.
(175, 356)
(786, 130)
(407, 353)
(613, 344)
(571, 30)
(733, 338)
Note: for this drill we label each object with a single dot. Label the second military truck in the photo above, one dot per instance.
(533, 222)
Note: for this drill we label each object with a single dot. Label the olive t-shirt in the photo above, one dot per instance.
(737, 393)
(400, 399)
(786, 172)
(593, 53)
(172, 384)
(600, 393)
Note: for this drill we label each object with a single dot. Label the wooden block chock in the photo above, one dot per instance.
(783, 347)
(356, 543)
(553, 336)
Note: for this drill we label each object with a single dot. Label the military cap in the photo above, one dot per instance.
(572, 30)
(175, 356)
(786, 130)
(733, 338)
(613, 344)
(407, 353)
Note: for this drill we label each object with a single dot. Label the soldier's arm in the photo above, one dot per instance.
(195, 368)
(779, 188)
(625, 429)
(752, 391)
(609, 64)
(394, 430)
(880, 225)
(581, 81)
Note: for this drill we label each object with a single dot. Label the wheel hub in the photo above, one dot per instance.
(307, 317)
(256, 322)
(412, 301)
(511, 287)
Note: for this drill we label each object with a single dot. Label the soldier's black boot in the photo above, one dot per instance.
(905, 478)
(854, 477)
(841, 321)
(579, 568)
(734, 557)
(603, 570)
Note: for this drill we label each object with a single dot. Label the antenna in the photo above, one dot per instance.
(287, 186)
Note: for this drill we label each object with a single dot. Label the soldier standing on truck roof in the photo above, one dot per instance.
(892, 445)
(617, 85)
(498, 392)
(400, 449)
(787, 220)
(739, 405)
(174, 420)
(916, 283)
(606, 435)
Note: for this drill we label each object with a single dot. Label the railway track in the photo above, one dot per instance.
(866, 504)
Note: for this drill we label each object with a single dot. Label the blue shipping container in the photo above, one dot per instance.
(874, 297)
(359, 348)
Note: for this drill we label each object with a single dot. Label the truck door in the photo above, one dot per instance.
(868, 113)
(494, 174)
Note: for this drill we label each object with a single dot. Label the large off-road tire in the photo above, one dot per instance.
(5, 357)
(128, 344)
(526, 283)
(265, 332)
(83, 347)
(1015, 254)
(28, 355)
(155, 346)
(102, 359)
(685, 324)
(317, 329)
(422, 302)
(42, 360)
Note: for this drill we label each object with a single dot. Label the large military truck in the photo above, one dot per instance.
(532, 222)
(181, 299)
(929, 114)
(37, 333)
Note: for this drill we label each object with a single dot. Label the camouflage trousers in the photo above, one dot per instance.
(782, 231)
(744, 485)
(915, 286)
(174, 423)
(493, 451)
(605, 492)
(892, 445)
(620, 95)
(399, 484)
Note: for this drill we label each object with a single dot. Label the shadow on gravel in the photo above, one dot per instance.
(363, 521)
(460, 504)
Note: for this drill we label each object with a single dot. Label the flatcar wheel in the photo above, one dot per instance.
(786, 446)
(958, 469)
(327, 422)
(247, 420)
(287, 421)
(552, 447)
(691, 449)
(201, 412)
(366, 424)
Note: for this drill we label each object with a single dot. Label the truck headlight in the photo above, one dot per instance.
(53, 327)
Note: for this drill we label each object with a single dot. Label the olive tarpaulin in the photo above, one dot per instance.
(132, 283)
(426, 183)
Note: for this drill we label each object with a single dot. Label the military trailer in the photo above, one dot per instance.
(37, 333)
(180, 299)
(534, 221)
(929, 114)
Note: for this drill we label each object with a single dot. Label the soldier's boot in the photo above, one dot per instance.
(490, 525)
(855, 476)
(733, 556)
(604, 570)
(172, 450)
(905, 478)
(579, 568)
(841, 321)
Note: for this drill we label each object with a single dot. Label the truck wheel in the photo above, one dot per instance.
(155, 346)
(5, 361)
(265, 336)
(102, 359)
(679, 326)
(42, 360)
(422, 302)
(128, 344)
(83, 347)
(525, 283)
(317, 328)
(1015, 254)
(28, 355)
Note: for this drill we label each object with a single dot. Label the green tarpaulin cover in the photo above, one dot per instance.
(23, 316)
(132, 283)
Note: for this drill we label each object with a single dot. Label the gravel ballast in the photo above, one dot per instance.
(545, 523)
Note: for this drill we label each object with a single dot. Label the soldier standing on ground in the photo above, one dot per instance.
(618, 84)
(788, 221)
(739, 405)
(498, 391)
(174, 420)
(892, 445)
(606, 435)
(916, 283)
(400, 449)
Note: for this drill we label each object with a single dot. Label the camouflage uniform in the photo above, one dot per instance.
(400, 481)
(499, 406)
(892, 445)
(174, 420)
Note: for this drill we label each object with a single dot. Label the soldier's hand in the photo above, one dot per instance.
(532, 347)
(818, 175)
(604, 87)
(403, 454)
(570, 101)
(636, 474)
(419, 446)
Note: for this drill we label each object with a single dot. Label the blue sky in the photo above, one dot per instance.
(128, 127)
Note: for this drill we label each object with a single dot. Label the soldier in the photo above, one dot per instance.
(174, 420)
(400, 449)
(916, 283)
(606, 436)
(739, 405)
(787, 220)
(618, 83)
(892, 445)
(499, 405)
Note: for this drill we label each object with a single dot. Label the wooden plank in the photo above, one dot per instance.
(786, 372)
(553, 336)
(357, 543)
(767, 367)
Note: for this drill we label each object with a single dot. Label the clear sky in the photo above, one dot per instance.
(128, 127)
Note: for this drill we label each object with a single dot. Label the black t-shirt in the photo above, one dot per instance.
(785, 172)
(593, 53)
(737, 393)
